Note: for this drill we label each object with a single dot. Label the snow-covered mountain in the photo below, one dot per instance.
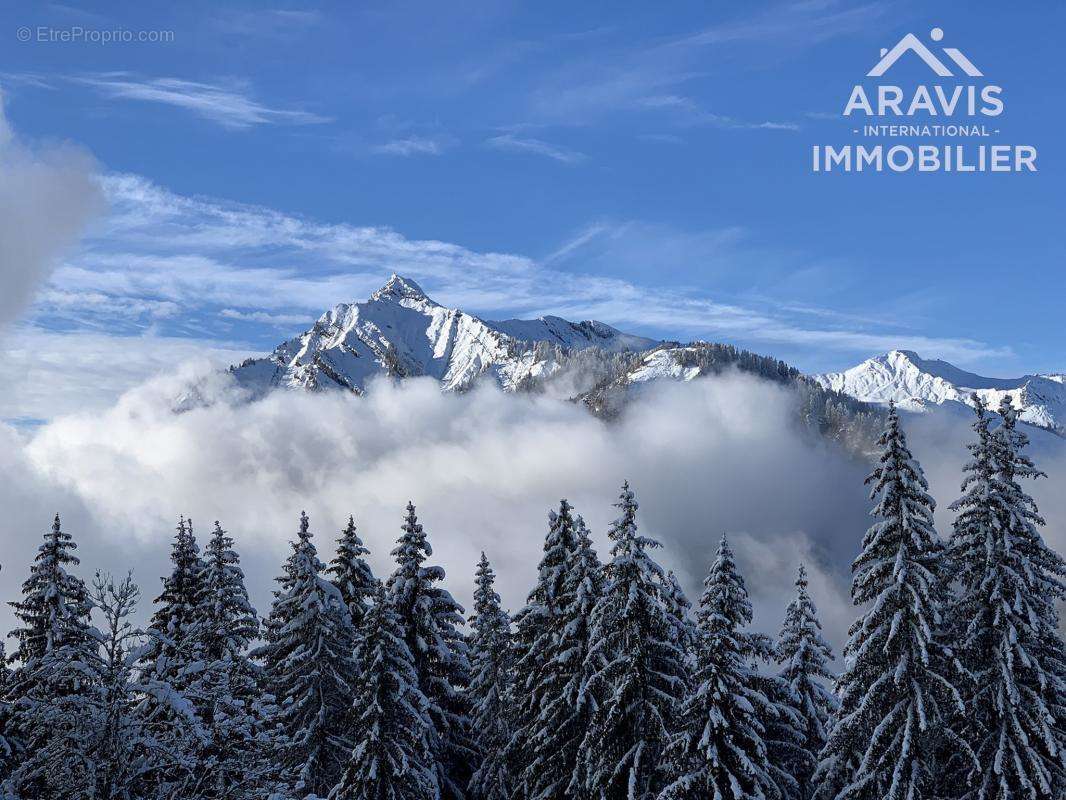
(916, 384)
(403, 333)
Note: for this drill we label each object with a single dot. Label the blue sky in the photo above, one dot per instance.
(646, 168)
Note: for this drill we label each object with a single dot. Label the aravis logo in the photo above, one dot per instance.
(911, 43)
(958, 108)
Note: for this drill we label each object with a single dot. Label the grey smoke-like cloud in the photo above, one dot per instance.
(47, 196)
(721, 455)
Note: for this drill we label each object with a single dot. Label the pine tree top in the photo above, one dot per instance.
(51, 597)
(905, 532)
(352, 574)
(801, 647)
(349, 545)
(486, 600)
(724, 605)
(413, 547)
(623, 531)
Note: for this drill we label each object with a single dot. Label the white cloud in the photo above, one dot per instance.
(230, 106)
(279, 320)
(413, 146)
(722, 455)
(47, 198)
(484, 469)
(191, 264)
(46, 374)
(538, 147)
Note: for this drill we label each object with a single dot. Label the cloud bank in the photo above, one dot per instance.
(720, 455)
(712, 457)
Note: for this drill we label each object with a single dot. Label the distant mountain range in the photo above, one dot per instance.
(916, 384)
(400, 332)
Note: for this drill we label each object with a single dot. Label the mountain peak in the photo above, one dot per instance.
(398, 287)
(915, 383)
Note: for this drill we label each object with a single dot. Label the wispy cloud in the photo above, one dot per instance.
(414, 146)
(231, 106)
(48, 373)
(516, 144)
(800, 24)
(189, 265)
(655, 78)
(689, 112)
(277, 23)
(277, 320)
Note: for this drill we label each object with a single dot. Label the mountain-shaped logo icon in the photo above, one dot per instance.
(910, 42)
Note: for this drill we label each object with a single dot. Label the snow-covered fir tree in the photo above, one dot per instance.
(309, 667)
(50, 595)
(9, 746)
(1006, 623)
(718, 749)
(535, 684)
(680, 610)
(899, 704)
(777, 709)
(556, 767)
(56, 688)
(491, 659)
(226, 690)
(392, 758)
(639, 678)
(352, 575)
(432, 621)
(805, 655)
(172, 632)
(168, 663)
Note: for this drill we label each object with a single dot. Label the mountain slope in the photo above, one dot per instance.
(400, 332)
(916, 384)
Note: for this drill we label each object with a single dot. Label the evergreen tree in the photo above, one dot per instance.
(804, 656)
(168, 665)
(568, 707)
(227, 690)
(780, 720)
(431, 620)
(680, 610)
(535, 685)
(50, 595)
(899, 703)
(9, 745)
(309, 666)
(352, 574)
(718, 750)
(392, 758)
(489, 692)
(640, 675)
(172, 629)
(1006, 623)
(56, 688)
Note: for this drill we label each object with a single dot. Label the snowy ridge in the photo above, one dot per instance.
(401, 332)
(915, 384)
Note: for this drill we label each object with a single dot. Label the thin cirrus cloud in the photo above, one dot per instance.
(413, 146)
(164, 258)
(653, 79)
(538, 147)
(231, 106)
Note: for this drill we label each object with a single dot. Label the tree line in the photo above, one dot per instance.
(605, 685)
